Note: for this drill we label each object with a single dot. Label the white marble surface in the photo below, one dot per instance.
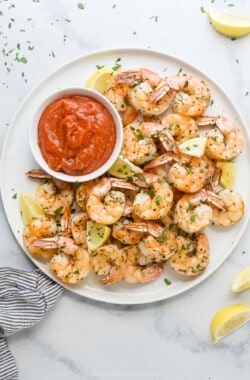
(83, 339)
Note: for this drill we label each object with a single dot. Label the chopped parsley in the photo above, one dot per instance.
(155, 18)
(117, 65)
(99, 67)
(192, 218)
(167, 282)
(163, 238)
(158, 200)
(80, 5)
(58, 210)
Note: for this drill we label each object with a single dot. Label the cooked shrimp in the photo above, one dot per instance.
(192, 214)
(139, 141)
(155, 201)
(188, 173)
(146, 91)
(233, 211)
(71, 268)
(105, 205)
(120, 87)
(192, 97)
(81, 194)
(137, 148)
(79, 227)
(157, 246)
(125, 235)
(54, 196)
(181, 127)
(38, 229)
(224, 142)
(192, 257)
(109, 263)
(129, 115)
(71, 263)
(151, 101)
(136, 274)
(192, 176)
(53, 200)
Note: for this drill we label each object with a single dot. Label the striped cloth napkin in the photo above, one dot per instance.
(24, 299)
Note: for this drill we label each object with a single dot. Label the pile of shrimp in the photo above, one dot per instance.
(158, 217)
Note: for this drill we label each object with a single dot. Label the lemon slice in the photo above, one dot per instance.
(101, 79)
(228, 320)
(123, 168)
(97, 234)
(194, 147)
(228, 174)
(229, 24)
(29, 208)
(241, 281)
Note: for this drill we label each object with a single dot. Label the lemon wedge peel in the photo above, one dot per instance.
(30, 208)
(194, 147)
(123, 168)
(228, 174)
(228, 320)
(97, 234)
(101, 79)
(229, 24)
(241, 281)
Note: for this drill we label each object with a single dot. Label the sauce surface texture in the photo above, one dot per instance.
(76, 135)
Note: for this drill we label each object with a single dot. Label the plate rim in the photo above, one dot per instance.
(96, 297)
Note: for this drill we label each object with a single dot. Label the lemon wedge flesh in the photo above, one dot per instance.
(228, 319)
(101, 79)
(194, 147)
(97, 234)
(30, 208)
(229, 24)
(228, 174)
(123, 168)
(241, 281)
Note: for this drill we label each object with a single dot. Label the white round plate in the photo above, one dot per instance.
(17, 159)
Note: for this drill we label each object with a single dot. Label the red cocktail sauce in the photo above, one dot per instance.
(76, 135)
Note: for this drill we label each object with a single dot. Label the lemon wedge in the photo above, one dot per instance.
(123, 168)
(194, 147)
(97, 234)
(228, 174)
(228, 320)
(229, 24)
(241, 281)
(29, 208)
(101, 79)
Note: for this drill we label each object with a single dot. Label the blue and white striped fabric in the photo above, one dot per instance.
(24, 299)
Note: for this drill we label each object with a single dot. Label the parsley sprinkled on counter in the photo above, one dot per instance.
(155, 18)
(81, 6)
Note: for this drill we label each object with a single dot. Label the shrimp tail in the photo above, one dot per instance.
(123, 184)
(161, 90)
(38, 174)
(45, 243)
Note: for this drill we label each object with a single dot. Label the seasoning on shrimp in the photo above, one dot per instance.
(136, 273)
(155, 200)
(192, 95)
(38, 229)
(71, 263)
(192, 256)
(181, 127)
(224, 142)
